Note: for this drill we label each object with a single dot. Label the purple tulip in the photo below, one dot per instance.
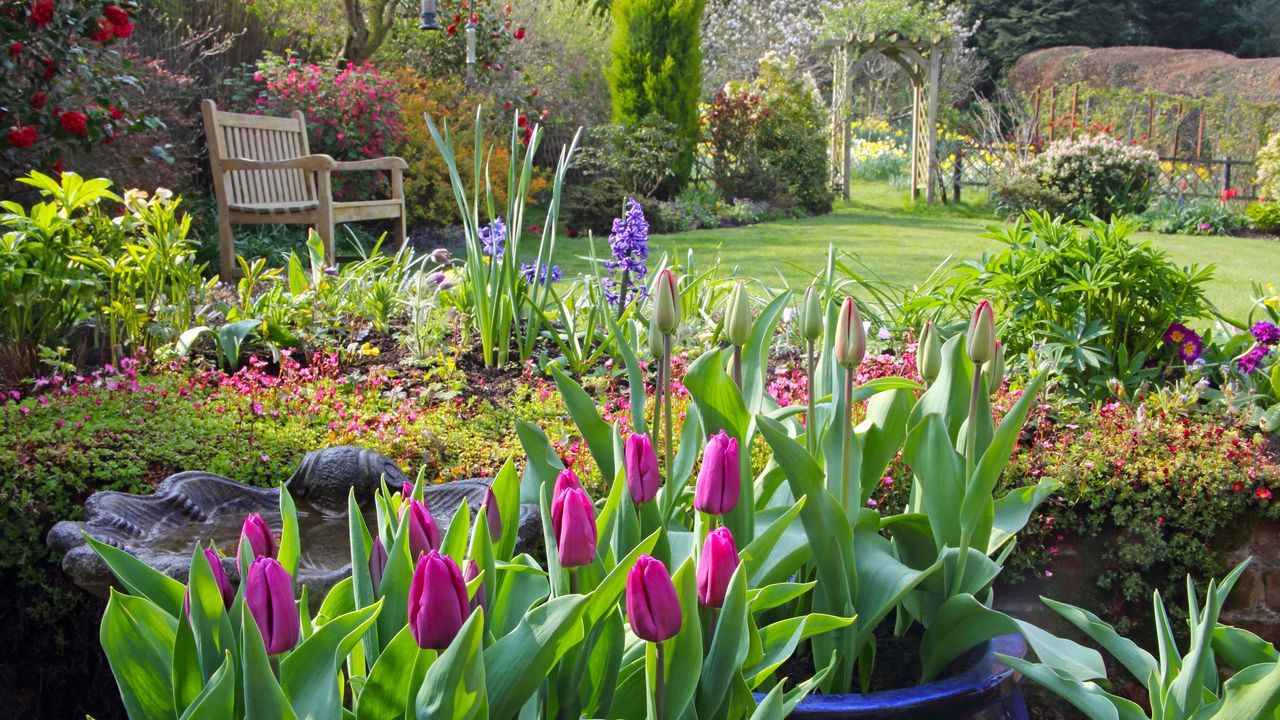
(377, 563)
(479, 600)
(406, 490)
(715, 567)
(492, 514)
(575, 529)
(219, 577)
(438, 603)
(565, 481)
(259, 537)
(643, 477)
(718, 484)
(653, 609)
(268, 593)
(424, 534)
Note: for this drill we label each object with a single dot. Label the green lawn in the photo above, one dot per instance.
(902, 243)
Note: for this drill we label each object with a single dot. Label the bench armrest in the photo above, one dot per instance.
(306, 162)
(382, 163)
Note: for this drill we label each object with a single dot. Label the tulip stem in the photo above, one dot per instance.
(810, 423)
(737, 367)
(573, 581)
(666, 407)
(970, 462)
(659, 684)
(847, 451)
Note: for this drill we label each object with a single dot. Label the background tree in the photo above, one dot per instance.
(657, 68)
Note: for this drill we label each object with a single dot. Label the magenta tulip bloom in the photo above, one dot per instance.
(479, 600)
(565, 481)
(406, 490)
(576, 529)
(377, 563)
(424, 534)
(438, 604)
(492, 514)
(268, 593)
(718, 481)
(715, 567)
(653, 609)
(642, 469)
(219, 577)
(258, 535)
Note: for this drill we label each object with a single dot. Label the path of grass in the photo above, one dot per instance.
(904, 243)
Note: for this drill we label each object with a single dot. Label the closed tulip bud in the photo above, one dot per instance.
(715, 567)
(219, 577)
(666, 303)
(653, 608)
(995, 367)
(565, 481)
(440, 256)
(643, 477)
(438, 604)
(479, 600)
(811, 316)
(654, 339)
(851, 335)
(737, 318)
(492, 515)
(981, 338)
(424, 534)
(406, 490)
(377, 563)
(719, 485)
(255, 532)
(575, 529)
(929, 353)
(268, 594)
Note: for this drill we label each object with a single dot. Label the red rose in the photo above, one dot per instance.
(38, 100)
(519, 34)
(56, 167)
(15, 48)
(124, 31)
(451, 30)
(506, 105)
(457, 18)
(42, 12)
(534, 93)
(116, 14)
(74, 122)
(523, 121)
(115, 113)
(22, 137)
(475, 18)
(105, 33)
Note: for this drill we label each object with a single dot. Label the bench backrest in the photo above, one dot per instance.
(257, 137)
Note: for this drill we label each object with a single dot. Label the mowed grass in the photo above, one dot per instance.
(903, 242)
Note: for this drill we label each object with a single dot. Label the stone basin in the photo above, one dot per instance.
(162, 529)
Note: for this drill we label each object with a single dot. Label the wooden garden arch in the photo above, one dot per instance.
(922, 61)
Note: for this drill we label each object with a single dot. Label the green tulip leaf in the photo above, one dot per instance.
(454, 686)
(1087, 697)
(542, 463)
(521, 660)
(141, 579)
(218, 699)
(188, 679)
(779, 640)
(390, 687)
(263, 697)
(309, 674)
(506, 488)
(290, 549)
(598, 434)
(138, 638)
(963, 623)
(521, 584)
(1137, 661)
(728, 648)
(394, 590)
(362, 592)
(1240, 648)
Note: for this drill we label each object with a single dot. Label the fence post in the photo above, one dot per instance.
(956, 174)
(1226, 175)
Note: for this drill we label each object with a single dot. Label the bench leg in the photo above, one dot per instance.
(401, 233)
(226, 247)
(324, 220)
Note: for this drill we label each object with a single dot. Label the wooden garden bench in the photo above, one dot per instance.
(264, 172)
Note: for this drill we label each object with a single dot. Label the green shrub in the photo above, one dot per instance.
(767, 140)
(1085, 295)
(1200, 217)
(656, 67)
(1265, 216)
(1091, 175)
(593, 204)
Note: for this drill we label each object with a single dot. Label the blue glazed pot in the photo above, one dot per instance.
(987, 691)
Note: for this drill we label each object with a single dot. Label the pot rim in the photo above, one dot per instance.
(988, 680)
